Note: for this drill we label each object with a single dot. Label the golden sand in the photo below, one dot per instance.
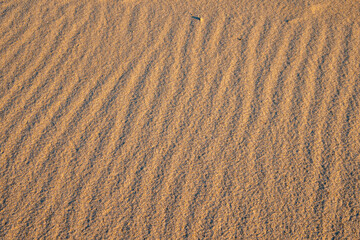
(168, 119)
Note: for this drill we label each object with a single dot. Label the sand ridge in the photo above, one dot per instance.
(179, 119)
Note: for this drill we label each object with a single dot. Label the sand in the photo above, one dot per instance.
(168, 119)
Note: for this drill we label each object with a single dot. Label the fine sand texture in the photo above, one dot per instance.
(168, 119)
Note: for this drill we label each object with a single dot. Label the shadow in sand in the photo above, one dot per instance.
(197, 18)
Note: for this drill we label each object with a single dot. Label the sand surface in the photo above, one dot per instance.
(168, 119)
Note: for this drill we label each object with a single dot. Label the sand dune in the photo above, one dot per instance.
(180, 119)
